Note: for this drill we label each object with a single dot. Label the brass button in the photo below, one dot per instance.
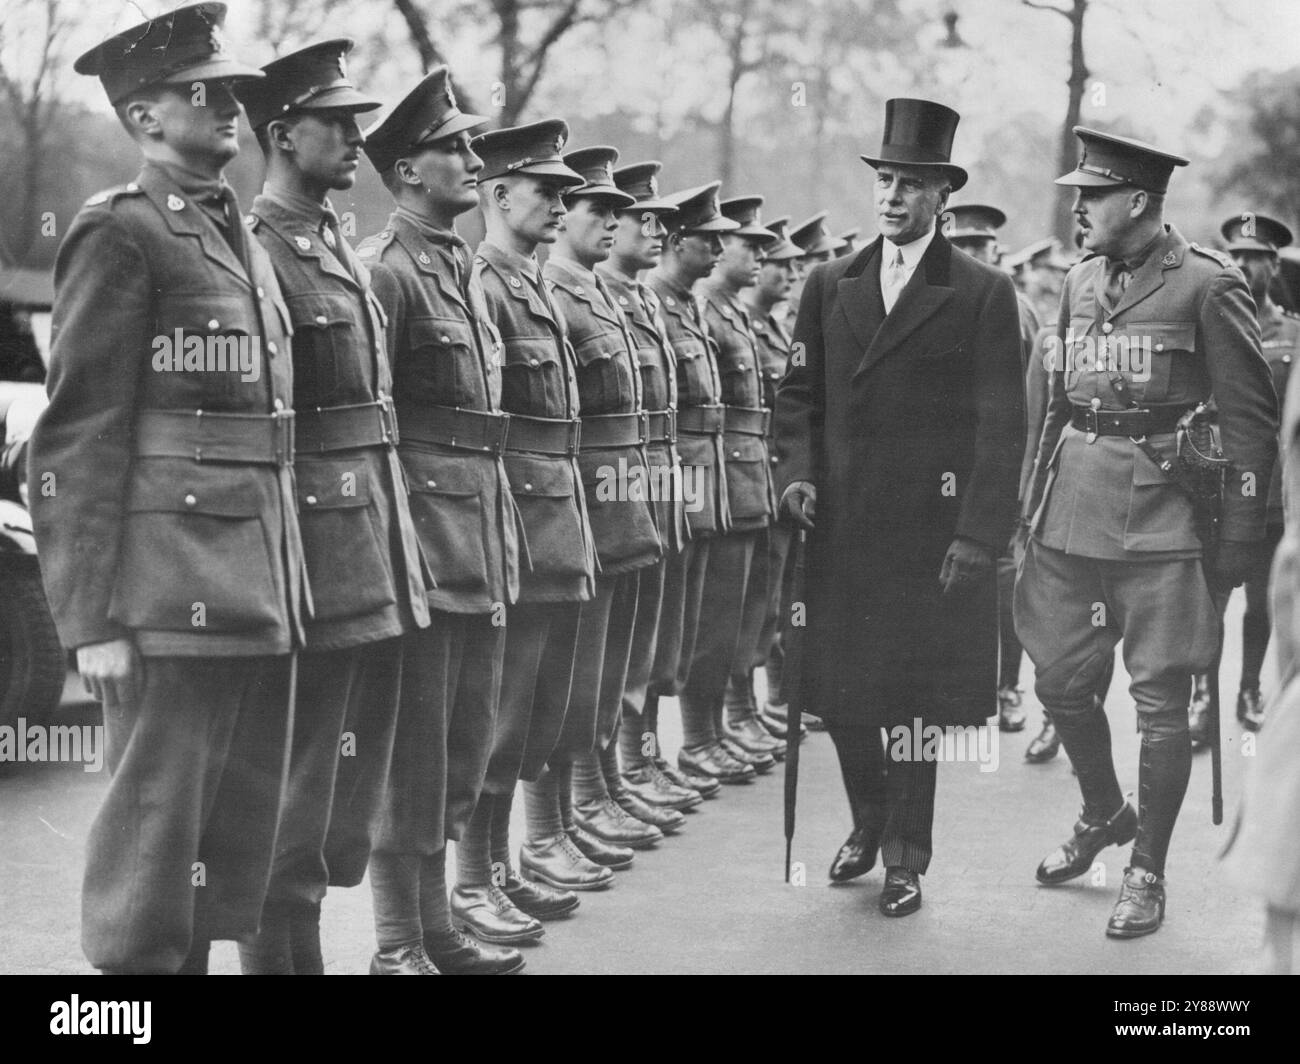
(1160, 347)
(321, 319)
(533, 362)
(311, 500)
(278, 404)
(1096, 402)
(271, 347)
(528, 487)
(1107, 327)
(735, 454)
(444, 339)
(190, 500)
(430, 483)
(213, 323)
(775, 459)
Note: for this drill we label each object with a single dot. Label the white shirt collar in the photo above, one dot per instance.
(912, 253)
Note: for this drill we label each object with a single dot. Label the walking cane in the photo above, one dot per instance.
(1212, 727)
(792, 683)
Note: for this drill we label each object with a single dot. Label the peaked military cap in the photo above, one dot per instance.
(850, 242)
(641, 182)
(919, 133)
(314, 78)
(698, 212)
(1108, 160)
(783, 249)
(532, 149)
(1249, 231)
(182, 46)
(972, 221)
(812, 238)
(744, 210)
(426, 114)
(596, 167)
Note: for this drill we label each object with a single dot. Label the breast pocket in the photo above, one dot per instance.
(326, 342)
(604, 374)
(740, 384)
(195, 555)
(447, 507)
(207, 352)
(445, 362)
(694, 377)
(347, 562)
(1155, 359)
(532, 379)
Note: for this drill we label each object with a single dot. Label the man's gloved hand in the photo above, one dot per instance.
(965, 562)
(1235, 561)
(799, 501)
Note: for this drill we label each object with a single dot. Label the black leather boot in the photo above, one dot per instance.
(1086, 737)
(1164, 767)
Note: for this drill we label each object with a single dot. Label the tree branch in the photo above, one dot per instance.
(1046, 7)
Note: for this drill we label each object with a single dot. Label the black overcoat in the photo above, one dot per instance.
(911, 426)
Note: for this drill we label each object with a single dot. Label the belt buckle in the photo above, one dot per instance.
(575, 436)
(282, 436)
(670, 424)
(1091, 425)
(388, 420)
(503, 433)
(643, 427)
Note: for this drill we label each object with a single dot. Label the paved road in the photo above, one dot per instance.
(711, 899)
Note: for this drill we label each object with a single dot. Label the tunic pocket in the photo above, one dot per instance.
(554, 526)
(448, 512)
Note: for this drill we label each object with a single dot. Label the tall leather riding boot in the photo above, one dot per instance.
(1164, 767)
(1086, 737)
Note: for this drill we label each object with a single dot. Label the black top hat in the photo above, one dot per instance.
(533, 150)
(596, 166)
(180, 47)
(919, 133)
(314, 78)
(425, 114)
(641, 182)
(1109, 160)
(1250, 231)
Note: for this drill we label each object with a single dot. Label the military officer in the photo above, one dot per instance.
(849, 242)
(168, 534)
(736, 584)
(973, 227)
(605, 820)
(447, 391)
(520, 192)
(693, 250)
(1150, 327)
(638, 245)
(1253, 240)
(814, 240)
(362, 557)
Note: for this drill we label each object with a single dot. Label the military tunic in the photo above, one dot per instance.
(176, 529)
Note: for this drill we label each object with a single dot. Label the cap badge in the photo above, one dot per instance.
(1169, 259)
(514, 282)
(175, 203)
(303, 243)
(216, 40)
(559, 144)
(424, 258)
(343, 66)
(654, 185)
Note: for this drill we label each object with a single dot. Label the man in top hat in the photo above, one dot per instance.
(720, 683)
(849, 242)
(520, 191)
(605, 821)
(362, 557)
(1150, 327)
(1252, 240)
(447, 391)
(693, 250)
(169, 537)
(899, 429)
(657, 629)
(973, 227)
(777, 274)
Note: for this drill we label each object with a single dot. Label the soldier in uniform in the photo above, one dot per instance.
(657, 629)
(818, 246)
(1253, 240)
(362, 557)
(849, 242)
(694, 249)
(447, 390)
(606, 818)
(973, 227)
(166, 518)
(1150, 327)
(520, 192)
(736, 592)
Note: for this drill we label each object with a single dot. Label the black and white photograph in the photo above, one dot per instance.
(652, 487)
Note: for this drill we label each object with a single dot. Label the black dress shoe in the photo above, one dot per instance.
(1250, 708)
(454, 953)
(758, 762)
(610, 823)
(601, 853)
(1011, 717)
(704, 786)
(558, 863)
(407, 959)
(1198, 712)
(857, 856)
(1045, 745)
(715, 763)
(537, 899)
(666, 820)
(1141, 906)
(1075, 856)
(902, 893)
(488, 914)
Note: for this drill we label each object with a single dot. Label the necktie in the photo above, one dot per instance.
(333, 237)
(234, 233)
(1117, 280)
(894, 280)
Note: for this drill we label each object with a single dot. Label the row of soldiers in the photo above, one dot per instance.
(352, 541)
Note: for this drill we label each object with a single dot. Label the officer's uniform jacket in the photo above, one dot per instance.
(1280, 335)
(538, 381)
(749, 478)
(1102, 497)
(368, 581)
(446, 359)
(609, 382)
(773, 355)
(150, 524)
(640, 306)
(698, 390)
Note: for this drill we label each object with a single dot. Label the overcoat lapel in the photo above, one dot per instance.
(924, 296)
